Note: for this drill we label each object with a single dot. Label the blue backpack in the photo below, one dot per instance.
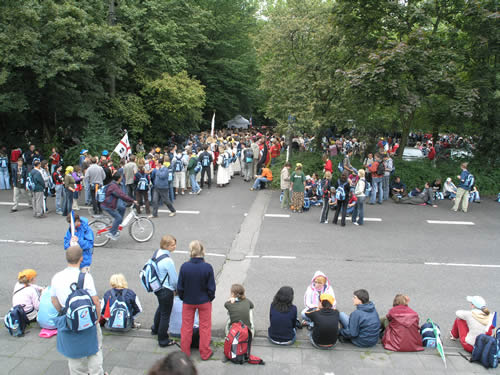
(178, 164)
(340, 192)
(30, 182)
(428, 336)
(487, 350)
(205, 159)
(101, 193)
(319, 189)
(197, 168)
(120, 318)
(248, 156)
(143, 184)
(340, 166)
(80, 310)
(3, 162)
(469, 181)
(149, 274)
(225, 161)
(16, 321)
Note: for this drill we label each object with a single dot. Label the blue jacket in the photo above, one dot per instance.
(364, 326)
(282, 327)
(160, 178)
(463, 178)
(196, 283)
(167, 266)
(85, 240)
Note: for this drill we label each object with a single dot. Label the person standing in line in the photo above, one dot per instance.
(463, 189)
(58, 179)
(161, 189)
(342, 195)
(191, 168)
(256, 155)
(196, 288)
(165, 295)
(15, 155)
(285, 185)
(129, 171)
(298, 180)
(69, 189)
(377, 170)
(246, 162)
(55, 160)
(4, 171)
(19, 177)
(326, 185)
(388, 166)
(36, 175)
(206, 160)
(358, 214)
(94, 178)
(28, 157)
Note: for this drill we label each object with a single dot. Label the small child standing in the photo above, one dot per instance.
(239, 308)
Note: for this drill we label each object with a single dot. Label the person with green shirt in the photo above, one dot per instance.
(193, 171)
(298, 180)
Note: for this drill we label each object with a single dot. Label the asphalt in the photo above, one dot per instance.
(264, 253)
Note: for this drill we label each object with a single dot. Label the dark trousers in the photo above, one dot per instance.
(209, 176)
(130, 190)
(324, 210)
(341, 206)
(141, 196)
(162, 316)
(96, 206)
(68, 202)
(163, 194)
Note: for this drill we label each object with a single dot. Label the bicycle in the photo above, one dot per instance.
(141, 229)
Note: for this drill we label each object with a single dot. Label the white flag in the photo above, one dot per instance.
(123, 148)
(213, 125)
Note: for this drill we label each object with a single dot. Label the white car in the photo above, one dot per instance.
(410, 154)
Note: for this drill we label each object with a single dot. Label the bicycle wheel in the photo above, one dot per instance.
(142, 229)
(100, 229)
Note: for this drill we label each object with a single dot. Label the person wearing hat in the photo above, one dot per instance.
(27, 293)
(471, 323)
(83, 155)
(69, 189)
(325, 331)
(449, 189)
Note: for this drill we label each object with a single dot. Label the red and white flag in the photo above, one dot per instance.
(123, 148)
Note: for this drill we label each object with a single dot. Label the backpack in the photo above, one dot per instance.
(469, 181)
(3, 162)
(101, 193)
(80, 310)
(16, 321)
(340, 192)
(30, 182)
(380, 168)
(307, 204)
(197, 168)
(143, 184)
(487, 350)
(428, 336)
(340, 166)
(225, 161)
(248, 156)
(237, 345)
(178, 164)
(120, 318)
(149, 274)
(205, 159)
(170, 175)
(319, 189)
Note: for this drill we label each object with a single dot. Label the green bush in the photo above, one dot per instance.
(412, 173)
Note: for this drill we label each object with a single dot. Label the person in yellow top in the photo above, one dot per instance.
(266, 176)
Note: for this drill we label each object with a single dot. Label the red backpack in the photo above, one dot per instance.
(237, 345)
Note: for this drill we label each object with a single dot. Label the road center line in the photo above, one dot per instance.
(372, 219)
(22, 242)
(182, 212)
(463, 265)
(277, 257)
(12, 203)
(450, 222)
(276, 215)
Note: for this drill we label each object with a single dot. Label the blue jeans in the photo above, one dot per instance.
(377, 187)
(117, 215)
(68, 202)
(350, 210)
(88, 200)
(59, 197)
(344, 320)
(291, 342)
(358, 214)
(385, 184)
(317, 346)
(171, 193)
(4, 178)
(256, 185)
(194, 185)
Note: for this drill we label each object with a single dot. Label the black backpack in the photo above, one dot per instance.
(380, 168)
(16, 321)
(486, 350)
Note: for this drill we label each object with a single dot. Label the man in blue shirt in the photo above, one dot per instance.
(463, 189)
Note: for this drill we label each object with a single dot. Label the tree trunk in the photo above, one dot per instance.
(406, 124)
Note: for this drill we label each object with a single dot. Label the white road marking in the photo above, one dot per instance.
(245, 214)
(12, 203)
(372, 219)
(276, 215)
(252, 256)
(277, 257)
(25, 242)
(216, 255)
(182, 212)
(450, 222)
(463, 265)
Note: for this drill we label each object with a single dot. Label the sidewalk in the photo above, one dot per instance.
(135, 352)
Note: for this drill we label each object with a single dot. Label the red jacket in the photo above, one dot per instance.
(403, 332)
(328, 166)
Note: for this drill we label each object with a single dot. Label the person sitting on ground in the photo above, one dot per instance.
(309, 188)
(362, 327)
(325, 318)
(426, 197)
(351, 203)
(27, 294)
(471, 323)
(84, 237)
(398, 189)
(239, 308)
(176, 363)
(474, 195)
(436, 189)
(283, 318)
(449, 189)
(319, 285)
(265, 176)
(402, 330)
(119, 286)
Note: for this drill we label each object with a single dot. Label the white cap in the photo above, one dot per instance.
(477, 301)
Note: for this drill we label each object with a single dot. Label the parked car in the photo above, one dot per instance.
(410, 154)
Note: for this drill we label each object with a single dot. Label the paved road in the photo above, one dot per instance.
(385, 257)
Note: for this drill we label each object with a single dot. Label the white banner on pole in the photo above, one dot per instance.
(123, 148)
(213, 125)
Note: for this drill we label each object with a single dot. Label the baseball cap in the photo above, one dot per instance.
(327, 297)
(477, 301)
(84, 151)
(105, 153)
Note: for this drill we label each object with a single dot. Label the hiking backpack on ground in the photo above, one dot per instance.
(16, 321)
(487, 350)
(238, 343)
(80, 310)
(120, 318)
(428, 336)
(149, 274)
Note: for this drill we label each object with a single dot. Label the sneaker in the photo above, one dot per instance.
(452, 337)
(252, 189)
(13, 210)
(198, 192)
(97, 216)
(326, 221)
(112, 237)
(191, 193)
(172, 214)
(136, 325)
(182, 193)
(355, 223)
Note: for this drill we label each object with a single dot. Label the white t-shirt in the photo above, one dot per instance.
(61, 282)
